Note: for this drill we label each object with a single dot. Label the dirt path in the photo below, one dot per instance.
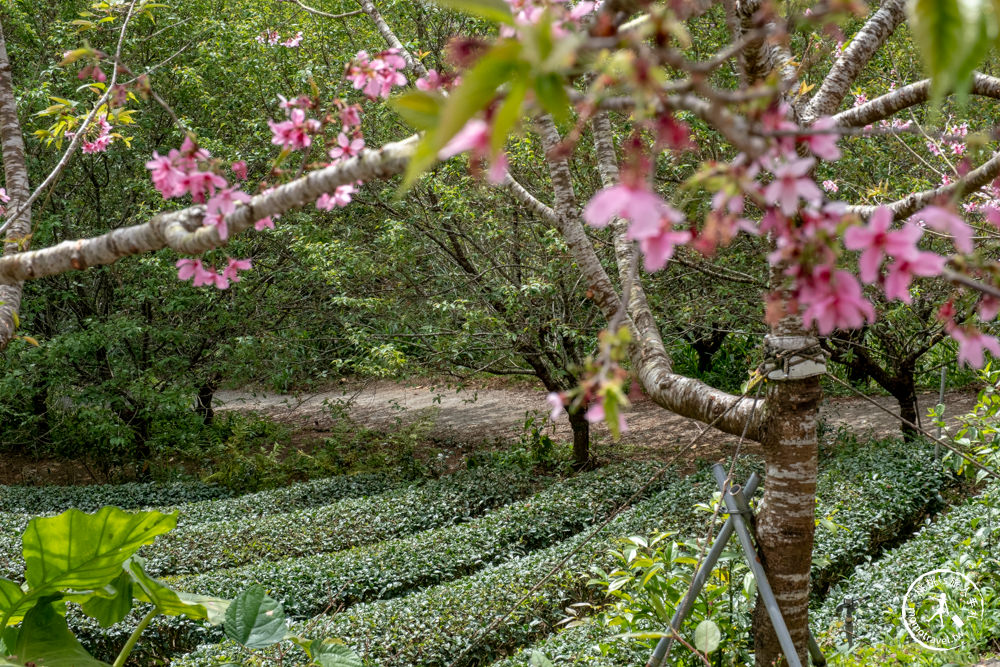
(477, 416)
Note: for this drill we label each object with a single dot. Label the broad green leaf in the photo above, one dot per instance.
(551, 93)
(45, 639)
(167, 600)
(707, 637)
(254, 619)
(10, 595)
(112, 608)
(508, 114)
(327, 652)
(539, 659)
(952, 36)
(75, 550)
(492, 10)
(418, 108)
(479, 87)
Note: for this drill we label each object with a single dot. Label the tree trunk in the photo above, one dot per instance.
(18, 236)
(786, 524)
(203, 403)
(904, 390)
(581, 439)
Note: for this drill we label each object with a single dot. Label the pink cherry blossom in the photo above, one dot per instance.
(341, 197)
(595, 413)
(824, 145)
(790, 183)
(430, 81)
(264, 223)
(833, 300)
(193, 268)
(947, 221)
(972, 344)
(901, 272)
(201, 184)
(167, 177)
(350, 117)
(292, 42)
(234, 265)
(4, 197)
(989, 306)
(376, 77)
(830, 186)
(658, 249)
(346, 148)
(876, 241)
(240, 169)
(220, 205)
(475, 138)
(555, 401)
(636, 204)
(295, 132)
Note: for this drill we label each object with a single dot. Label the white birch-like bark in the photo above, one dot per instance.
(852, 61)
(905, 97)
(18, 234)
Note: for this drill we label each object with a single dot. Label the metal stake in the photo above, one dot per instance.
(663, 647)
(734, 522)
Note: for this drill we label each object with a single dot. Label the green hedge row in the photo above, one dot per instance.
(969, 533)
(340, 525)
(226, 511)
(54, 499)
(311, 585)
(433, 625)
(592, 644)
(878, 491)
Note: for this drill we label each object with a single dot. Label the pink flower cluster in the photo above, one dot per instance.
(199, 274)
(295, 132)
(103, 139)
(563, 17)
(474, 137)
(375, 77)
(272, 38)
(4, 197)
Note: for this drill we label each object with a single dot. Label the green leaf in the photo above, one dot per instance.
(479, 87)
(112, 608)
(254, 619)
(10, 595)
(492, 10)
(551, 93)
(508, 114)
(82, 551)
(539, 659)
(45, 639)
(418, 108)
(707, 637)
(953, 37)
(167, 600)
(328, 652)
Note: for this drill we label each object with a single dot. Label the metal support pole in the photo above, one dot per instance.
(663, 647)
(737, 505)
(937, 446)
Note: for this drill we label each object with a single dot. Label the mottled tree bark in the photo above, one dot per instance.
(18, 236)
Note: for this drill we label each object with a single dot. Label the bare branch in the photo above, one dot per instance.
(858, 53)
(388, 35)
(183, 230)
(910, 95)
(319, 12)
(907, 206)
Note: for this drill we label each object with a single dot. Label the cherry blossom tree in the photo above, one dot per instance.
(579, 78)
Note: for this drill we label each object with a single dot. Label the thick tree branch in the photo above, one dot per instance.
(907, 206)
(683, 395)
(18, 188)
(183, 230)
(908, 96)
(389, 36)
(858, 53)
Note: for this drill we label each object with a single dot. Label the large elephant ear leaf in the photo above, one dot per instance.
(80, 551)
(174, 603)
(113, 604)
(254, 619)
(10, 597)
(45, 639)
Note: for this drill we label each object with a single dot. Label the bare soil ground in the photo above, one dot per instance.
(475, 417)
